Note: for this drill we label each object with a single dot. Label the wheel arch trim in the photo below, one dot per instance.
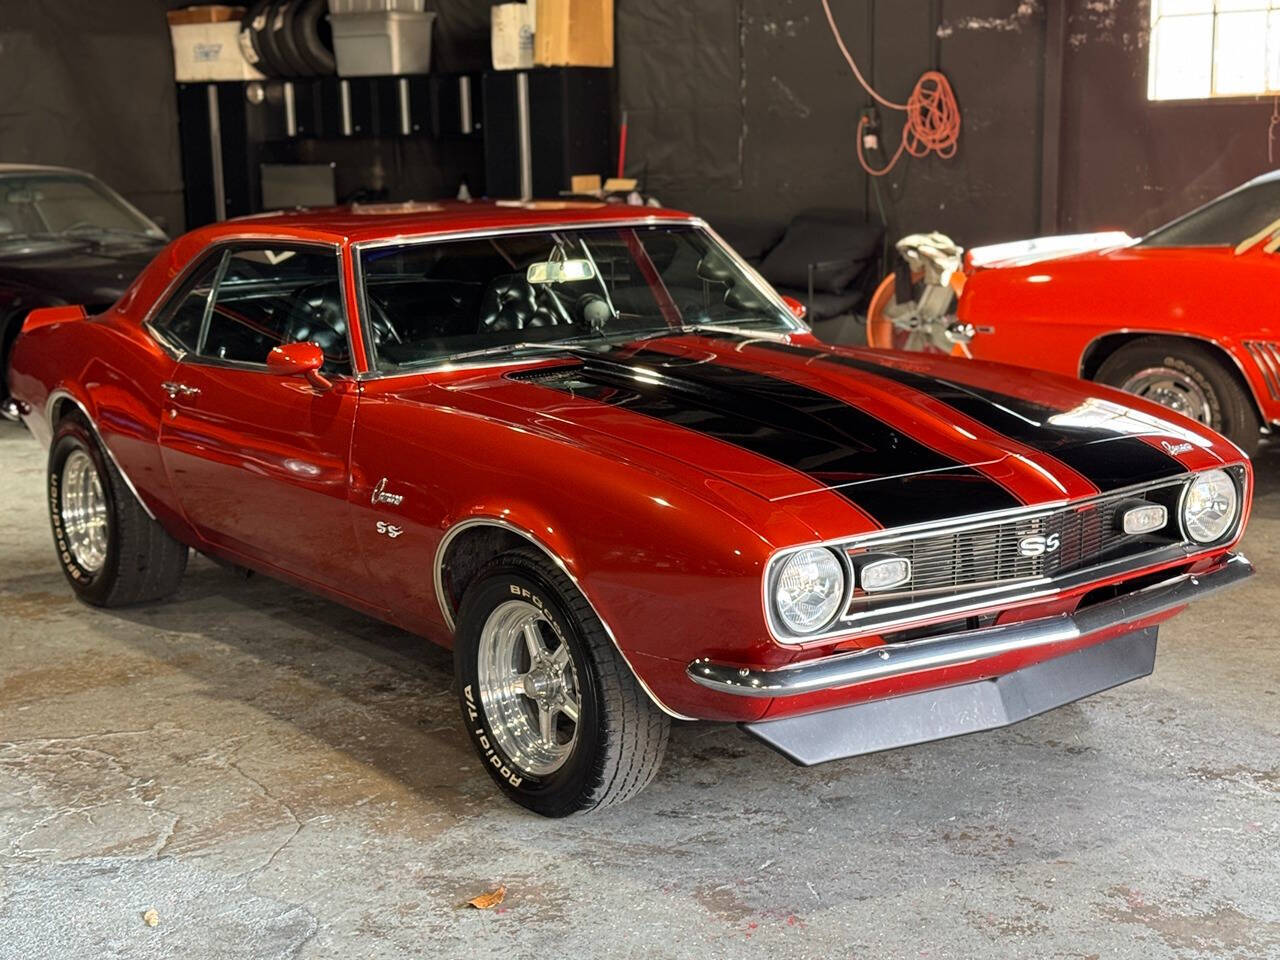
(481, 521)
(1172, 335)
(51, 405)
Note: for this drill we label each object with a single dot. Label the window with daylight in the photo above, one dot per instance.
(1214, 48)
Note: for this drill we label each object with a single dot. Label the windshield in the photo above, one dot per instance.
(1224, 222)
(66, 205)
(428, 301)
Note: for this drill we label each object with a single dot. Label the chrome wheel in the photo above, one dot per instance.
(83, 510)
(529, 687)
(1171, 388)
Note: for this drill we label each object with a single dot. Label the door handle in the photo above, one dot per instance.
(175, 390)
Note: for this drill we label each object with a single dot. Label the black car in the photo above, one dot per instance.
(65, 238)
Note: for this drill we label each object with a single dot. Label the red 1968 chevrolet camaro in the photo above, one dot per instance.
(588, 448)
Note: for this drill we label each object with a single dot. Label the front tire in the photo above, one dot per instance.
(1185, 376)
(557, 718)
(111, 552)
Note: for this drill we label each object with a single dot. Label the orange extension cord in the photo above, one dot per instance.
(933, 116)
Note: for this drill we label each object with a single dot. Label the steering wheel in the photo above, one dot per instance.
(381, 324)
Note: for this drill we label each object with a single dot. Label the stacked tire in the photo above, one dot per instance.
(288, 38)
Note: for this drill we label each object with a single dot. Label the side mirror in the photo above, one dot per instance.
(294, 359)
(798, 309)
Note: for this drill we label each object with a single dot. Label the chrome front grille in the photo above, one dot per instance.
(1266, 354)
(995, 554)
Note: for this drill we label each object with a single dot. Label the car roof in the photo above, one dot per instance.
(1267, 177)
(383, 221)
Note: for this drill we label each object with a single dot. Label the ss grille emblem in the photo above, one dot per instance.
(1038, 546)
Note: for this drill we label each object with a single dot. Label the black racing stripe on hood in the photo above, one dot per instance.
(1107, 458)
(836, 444)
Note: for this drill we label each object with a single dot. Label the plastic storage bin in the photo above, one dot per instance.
(376, 6)
(391, 42)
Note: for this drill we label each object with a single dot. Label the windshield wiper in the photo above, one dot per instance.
(93, 230)
(499, 348)
(709, 326)
(44, 237)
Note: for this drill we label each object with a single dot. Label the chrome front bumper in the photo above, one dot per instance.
(896, 659)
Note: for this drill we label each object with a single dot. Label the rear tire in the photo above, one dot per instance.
(1187, 377)
(613, 748)
(112, 553)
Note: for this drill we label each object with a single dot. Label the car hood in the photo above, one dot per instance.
(81, 272)
(1021, 253)
(906, 439)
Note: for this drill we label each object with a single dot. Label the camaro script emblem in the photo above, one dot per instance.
(1038, 546)
(1175, 448)
(380, 495)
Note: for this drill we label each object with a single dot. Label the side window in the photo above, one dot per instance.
(182, 318)
(269, 296)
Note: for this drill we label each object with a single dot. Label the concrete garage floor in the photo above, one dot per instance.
(279, 777)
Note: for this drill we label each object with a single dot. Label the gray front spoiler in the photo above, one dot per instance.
(968, 708)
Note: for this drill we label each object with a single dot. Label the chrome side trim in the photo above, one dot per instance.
(897, 659)
(447, 612)
(48, 414)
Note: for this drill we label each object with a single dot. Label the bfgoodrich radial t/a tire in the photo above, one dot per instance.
(1185, 376)
(554, 712)
(111, 552)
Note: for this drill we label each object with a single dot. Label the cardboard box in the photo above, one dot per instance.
(511, 36)
(205, 52)
(584, 183)
(208, 13)
(574, 33)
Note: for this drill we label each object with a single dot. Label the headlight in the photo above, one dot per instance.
(808, 590)
(1210, 506)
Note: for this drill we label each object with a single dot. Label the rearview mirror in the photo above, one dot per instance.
(560, 271)
(292, 359)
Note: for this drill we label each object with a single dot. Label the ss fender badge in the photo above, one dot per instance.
(1038, 546)
(1173, 449)
(389, 530)
(380, 495)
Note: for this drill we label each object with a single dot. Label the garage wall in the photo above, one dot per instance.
(90, 85)
(1135, 164)
(745, 110)
(740, 109)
